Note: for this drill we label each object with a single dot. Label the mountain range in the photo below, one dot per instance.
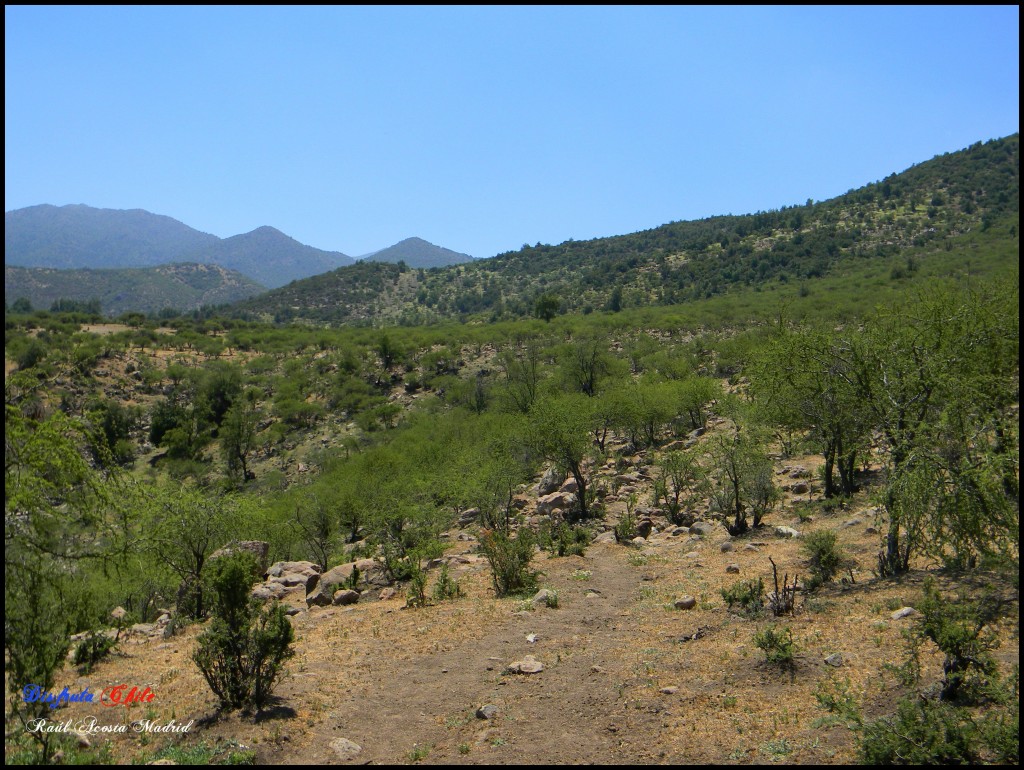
(79, 236)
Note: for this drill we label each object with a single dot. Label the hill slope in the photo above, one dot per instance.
(942, 206)
(149, 290)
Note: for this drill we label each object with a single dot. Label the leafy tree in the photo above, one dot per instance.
(238, 436)
(740, 480)
(521, 368)
(546, 307)
(560, 431)
(585, 362)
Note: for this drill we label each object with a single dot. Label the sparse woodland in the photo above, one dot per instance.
(496, 430)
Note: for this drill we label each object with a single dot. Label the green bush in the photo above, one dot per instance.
(446, 587)
(777, 645)
(748, 594)
(824, 556)
(92, 649)
(921, 733)
(565, 540)
(510, 561)
(241, 654)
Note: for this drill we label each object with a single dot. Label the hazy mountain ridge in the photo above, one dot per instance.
(182, 286)
(416, 252)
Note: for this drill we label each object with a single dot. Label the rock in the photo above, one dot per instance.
(835, 660)
(490, 711)
(685, 603)
(550, 482)
(751, 547)
(528, 665)
(800, 488)
(786, 532)
(319, 598)
(337, 576)
(710, 530)
(638, 540)
(257, 548)
(904, 612)
(870, 531)
(387, 593)
(644, 528)
(569, 487)
(295, 573)
(733, 569)
(345, 749)
(605, 537)
(542, 597)
(268, 591)
(726, 546)
(852, 522)
(346, 596)
(669, 690)
(677, 531)
(468, 516)
(83, 741)
(548, 503)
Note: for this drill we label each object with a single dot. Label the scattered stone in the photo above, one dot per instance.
(490, 711)
(870, 531)
(852, 522)
(668, 690)
(733, 569)
(638, 540)
(786, 532)
(726, 546)
(677, 531)
(344, 748)
(686, 603)
(531, 638)
(904, 612)
(542, 597)
(751, 547)
(569, 486)
(387, 593)
(290, 611)
(346, 596)
(83, 741)
(596, 670)
(528, 665)
(605, 537)
(691, 555)
(550, 482)
(835, 660)
(800, 488)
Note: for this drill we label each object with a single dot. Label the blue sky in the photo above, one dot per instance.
(481, 129)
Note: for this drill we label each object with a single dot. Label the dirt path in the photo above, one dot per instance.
(574, 711)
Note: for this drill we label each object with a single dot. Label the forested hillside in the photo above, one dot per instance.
(952, 203)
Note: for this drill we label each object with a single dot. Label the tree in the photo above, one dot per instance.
(560, 431)
(238, 436)
(546, 307)
(585, 362)
(740, 480)
(521, 368)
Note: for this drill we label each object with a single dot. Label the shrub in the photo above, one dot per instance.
(92, 649)
(241, 654)
(417, 594)
(921, 733)
(446, 587)
(824, 556)
(749, 594)
(510, 561)
(778, 646)
(565, 540)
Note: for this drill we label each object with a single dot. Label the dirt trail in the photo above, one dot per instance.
(574, 711)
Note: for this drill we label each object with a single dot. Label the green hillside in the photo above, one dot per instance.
(182, 287)
(954, 211)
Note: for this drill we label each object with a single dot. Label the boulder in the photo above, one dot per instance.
(560, 500)
(259, 549)
(786, 532)
(346, 596)
(685, 603)
(550, 481)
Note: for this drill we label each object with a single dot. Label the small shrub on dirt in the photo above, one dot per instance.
(824, 556)
(242, 653)
(416, 596)
(510, 561)
(625, 530)
(748, 594)
(565, 540)
(777, 645)
(92, 649)
(446, 586)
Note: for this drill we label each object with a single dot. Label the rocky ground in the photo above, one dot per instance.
(624, 670)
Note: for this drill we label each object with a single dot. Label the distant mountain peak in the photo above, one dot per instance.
(417, 252)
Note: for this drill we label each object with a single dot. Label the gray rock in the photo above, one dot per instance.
(605, 537)
(669, 690)
(346, 596)
(528, 665)
(542, 597)
(751, 547)
(344, 749)
(904, 612)
(726, 546)
(685, 603)
(490, 711)
(786, 532)
(800, 488)
(835, 660)
(733, 569)
(550, 482)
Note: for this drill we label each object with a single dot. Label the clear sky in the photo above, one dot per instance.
(481, 129)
